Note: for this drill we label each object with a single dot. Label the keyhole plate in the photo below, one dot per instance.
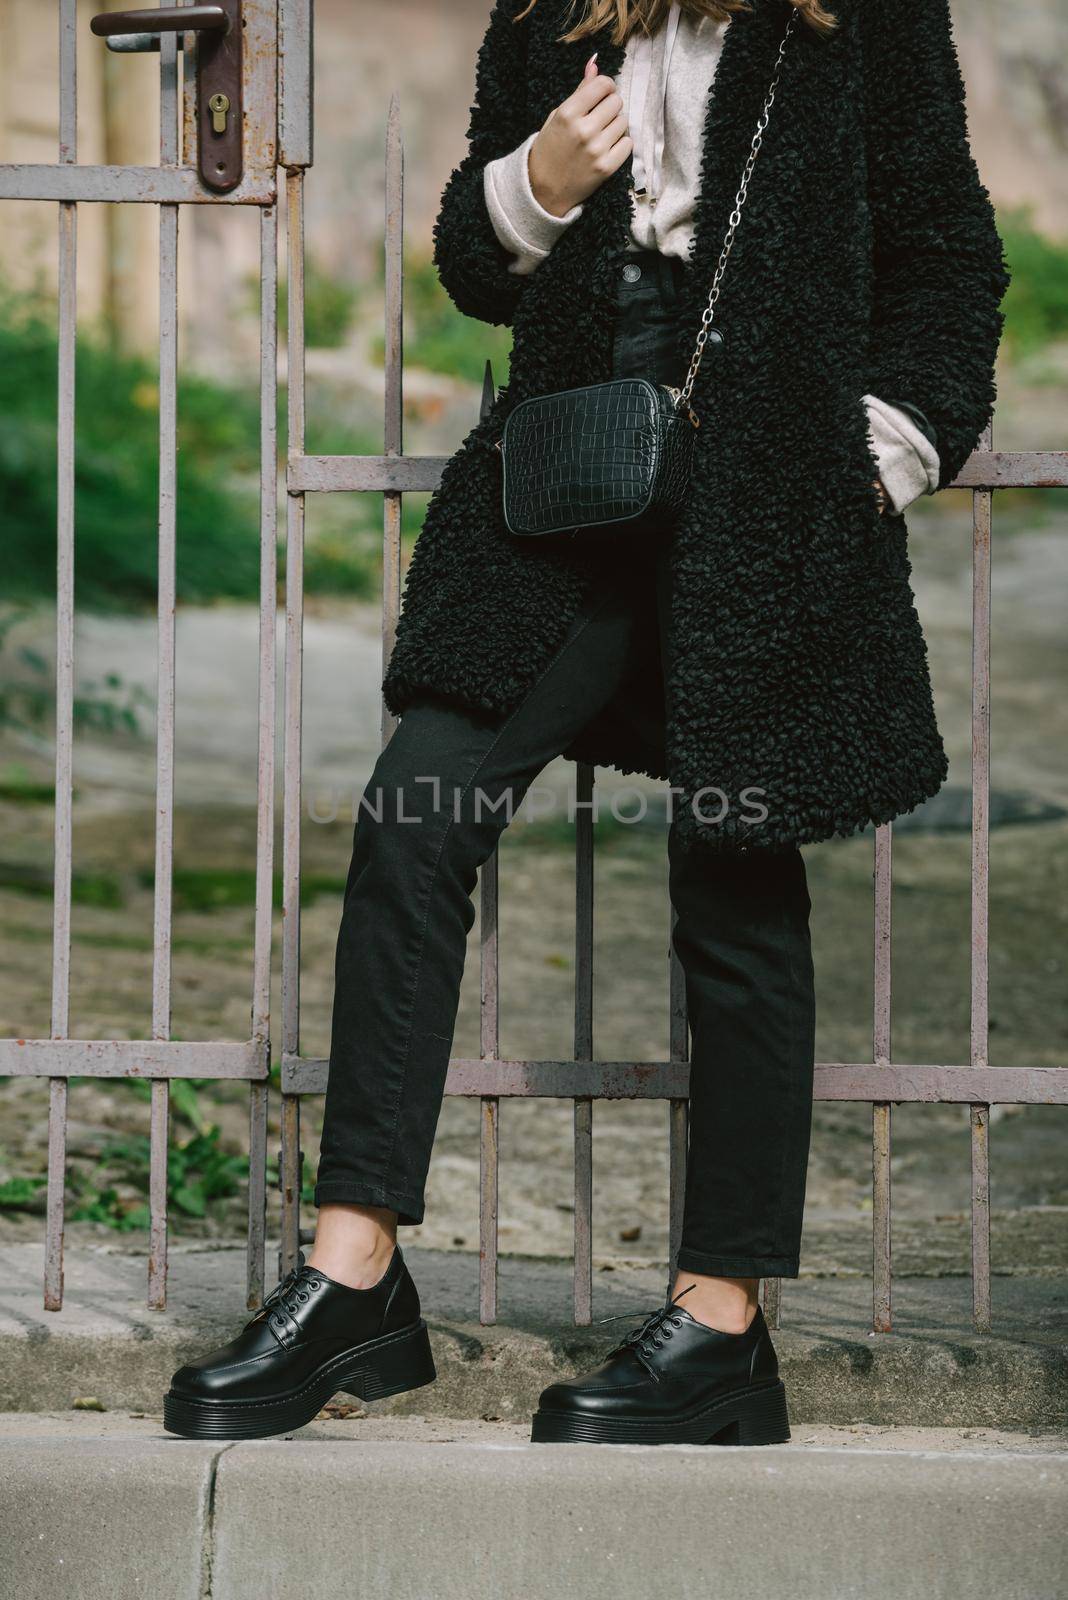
(220, 157)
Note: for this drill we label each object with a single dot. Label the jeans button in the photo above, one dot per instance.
(632, 272)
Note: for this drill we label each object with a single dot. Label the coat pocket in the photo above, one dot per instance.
(871, 465)
(876, 534)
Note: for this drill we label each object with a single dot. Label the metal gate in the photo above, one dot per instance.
(210, 154)
(277, 133)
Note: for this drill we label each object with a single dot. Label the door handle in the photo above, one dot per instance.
(219, 86)
(164, 19)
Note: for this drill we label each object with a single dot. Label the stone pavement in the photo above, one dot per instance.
(109, 1508)
(932, 1371)
(926, 1464)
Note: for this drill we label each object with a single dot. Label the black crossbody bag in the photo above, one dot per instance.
(620, 451)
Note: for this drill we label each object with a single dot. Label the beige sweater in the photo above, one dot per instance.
(661, 81)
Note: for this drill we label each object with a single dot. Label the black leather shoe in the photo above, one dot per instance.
(673, 1381)
(310, 1338)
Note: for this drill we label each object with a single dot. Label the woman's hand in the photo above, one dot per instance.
(580, 144)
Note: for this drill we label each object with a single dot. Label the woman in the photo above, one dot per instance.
(764, 654)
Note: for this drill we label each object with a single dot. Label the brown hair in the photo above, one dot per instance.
(630, 15)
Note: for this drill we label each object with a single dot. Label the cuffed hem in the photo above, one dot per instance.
(908, 461)
(339, 1191)
(737, 1266)
(521, 224)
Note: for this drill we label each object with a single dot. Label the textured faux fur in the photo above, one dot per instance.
(867, 261)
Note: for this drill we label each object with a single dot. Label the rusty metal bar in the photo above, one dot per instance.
(1013, 469)
(57, 1179)
(159, 1118)
(189, 106)
(165, 676)
(489, 1129)
(489, 1154)
(260, 66)
(296, 126)
(291, 1174)
(292, 693)
(132, 1058)
(258, 1105)
(68, 82)
(356, 474)
(393, 435)
(979, 1046)
(582, 1286)
(678, 1107)
(490, 1106)
(63, 832)
(979, 1125)
(880, 1132)
(771, 1294)
(563, 1080)
(265, 763)
(489, 1136)
(128, 185)
(647, 1080)
(669, 1080)
(347, 474)
(946, 1085)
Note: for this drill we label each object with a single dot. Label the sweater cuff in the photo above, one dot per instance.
(522, 225)
(908, 461)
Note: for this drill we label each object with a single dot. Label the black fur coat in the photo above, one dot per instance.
(867, 261)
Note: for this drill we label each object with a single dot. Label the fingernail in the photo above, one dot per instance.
(592, 58)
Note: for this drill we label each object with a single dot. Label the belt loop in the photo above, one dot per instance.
(665, 277)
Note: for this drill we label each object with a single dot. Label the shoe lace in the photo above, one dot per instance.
(656, 1328)
(290, 1291)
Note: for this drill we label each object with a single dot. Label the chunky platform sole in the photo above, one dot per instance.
(371, 1371)
(751, 1416)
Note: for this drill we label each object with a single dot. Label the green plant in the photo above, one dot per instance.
(27, 694)
(17, 785)
(342, 562)
(21, 1194)
(439, 338)
(107, 1206)
(215, 889)
(116, 471)
(1036, 303)
(101, 889)
(329, 305)
(198, 1172)
(184, 1098)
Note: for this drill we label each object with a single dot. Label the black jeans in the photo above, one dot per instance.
(442, 792)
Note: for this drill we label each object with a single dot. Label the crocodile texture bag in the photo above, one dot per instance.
(608, 453)
(618, 453)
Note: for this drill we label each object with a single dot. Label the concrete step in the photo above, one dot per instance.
(932, 1371)
(109, 1508)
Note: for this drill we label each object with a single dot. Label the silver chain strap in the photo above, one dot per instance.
(683, 400)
